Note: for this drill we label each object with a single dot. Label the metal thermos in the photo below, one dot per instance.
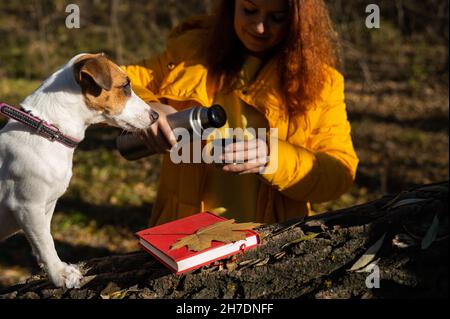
(195, 120)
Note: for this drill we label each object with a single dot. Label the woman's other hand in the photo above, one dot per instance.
(246, 157)
(159, 137)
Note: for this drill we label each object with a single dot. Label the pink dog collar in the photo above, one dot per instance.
(41, 127)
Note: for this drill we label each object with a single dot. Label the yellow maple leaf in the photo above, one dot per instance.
(225, 232)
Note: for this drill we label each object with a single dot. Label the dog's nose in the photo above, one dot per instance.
(154, 116)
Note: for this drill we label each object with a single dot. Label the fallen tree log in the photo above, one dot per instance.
(404, 235)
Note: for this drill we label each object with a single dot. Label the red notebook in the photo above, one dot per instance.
(157, 242)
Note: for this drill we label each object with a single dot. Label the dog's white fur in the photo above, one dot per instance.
(35, 172)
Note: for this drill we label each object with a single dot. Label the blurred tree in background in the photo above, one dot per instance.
(35, 40)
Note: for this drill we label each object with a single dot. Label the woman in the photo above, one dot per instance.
(270, 63)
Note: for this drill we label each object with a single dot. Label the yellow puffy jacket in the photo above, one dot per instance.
(316, 161)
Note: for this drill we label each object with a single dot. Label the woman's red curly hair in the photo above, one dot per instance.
(309, 46)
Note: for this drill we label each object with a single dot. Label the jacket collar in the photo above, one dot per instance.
(264, 93)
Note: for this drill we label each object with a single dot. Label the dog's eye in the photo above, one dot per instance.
(127, 88)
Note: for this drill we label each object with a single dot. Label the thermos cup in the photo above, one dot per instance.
(195, 120)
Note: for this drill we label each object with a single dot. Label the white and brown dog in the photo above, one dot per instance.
(36, 163)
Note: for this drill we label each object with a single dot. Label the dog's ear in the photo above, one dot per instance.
(93, 70)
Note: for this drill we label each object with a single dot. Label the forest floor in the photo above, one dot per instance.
(400, 131)
(401, 240)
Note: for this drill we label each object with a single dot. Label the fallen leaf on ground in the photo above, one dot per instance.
(431, 233)
(120, 294)
(368, 256)
(110, 288)
(279, 255)
(250, 263)
(247, 262)
(262, 262)
(225, 232)
(307, 237)
(403, 241)
(369, 267)
(231, 265)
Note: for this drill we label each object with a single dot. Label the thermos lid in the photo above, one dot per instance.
(216, 116)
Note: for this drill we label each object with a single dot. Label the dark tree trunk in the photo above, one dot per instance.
(315, 266)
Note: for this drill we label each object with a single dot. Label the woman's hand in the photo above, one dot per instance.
(159, 137)
(247, 156)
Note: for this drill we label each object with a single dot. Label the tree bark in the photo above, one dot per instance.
(307, 258)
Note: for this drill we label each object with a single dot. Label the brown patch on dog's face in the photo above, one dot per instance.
(104, 85)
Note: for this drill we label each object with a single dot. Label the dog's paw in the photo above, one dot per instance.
(68, 276)
(72, 276)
